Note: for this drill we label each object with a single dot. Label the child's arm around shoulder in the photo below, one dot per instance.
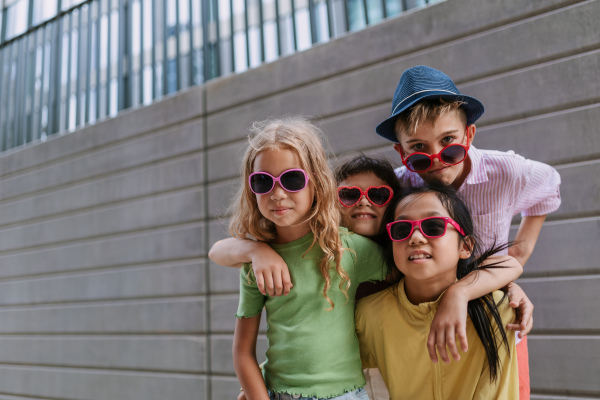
(271, 272)
(244, 358)
(451, 317)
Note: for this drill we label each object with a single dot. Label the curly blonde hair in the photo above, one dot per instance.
(301, 136)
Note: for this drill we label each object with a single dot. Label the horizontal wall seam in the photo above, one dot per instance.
(102, 300)
(108, 302)
(105, 369)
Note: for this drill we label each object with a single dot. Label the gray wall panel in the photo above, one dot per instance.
(567, 237)
(555, 138)
(154, 179)
(67, 383)
(567, 363)
(565, 303)
(181, 353)
(152, 246)
(180, 315)
(146, 149)
(184, 278)
(147, 213)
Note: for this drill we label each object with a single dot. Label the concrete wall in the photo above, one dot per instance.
(105, 291)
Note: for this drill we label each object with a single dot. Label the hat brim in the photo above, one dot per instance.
(473, 108)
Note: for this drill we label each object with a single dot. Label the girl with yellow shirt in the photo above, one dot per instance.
(433, 245)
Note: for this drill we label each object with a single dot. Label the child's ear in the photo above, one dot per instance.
(471, 133)
(398, 149)
(466, 247)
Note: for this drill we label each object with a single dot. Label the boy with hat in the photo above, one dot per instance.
(432, 127)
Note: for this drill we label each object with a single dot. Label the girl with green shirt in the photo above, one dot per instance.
(288, 200)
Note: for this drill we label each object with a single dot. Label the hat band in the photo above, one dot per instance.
(422, 91)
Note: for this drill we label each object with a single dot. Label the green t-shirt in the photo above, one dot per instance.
(312, 351)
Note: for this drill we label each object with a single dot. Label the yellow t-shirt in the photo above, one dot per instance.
(393, 332)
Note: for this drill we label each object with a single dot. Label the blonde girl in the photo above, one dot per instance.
(288, 199)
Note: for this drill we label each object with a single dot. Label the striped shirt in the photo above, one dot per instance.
(500, 185)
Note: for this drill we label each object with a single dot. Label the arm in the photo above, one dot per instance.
(527, 236)
(244, 359)
(451, 317)
(271, 272)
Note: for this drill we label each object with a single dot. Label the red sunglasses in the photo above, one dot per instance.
(379, 196)
(450, 155)
(432, 227)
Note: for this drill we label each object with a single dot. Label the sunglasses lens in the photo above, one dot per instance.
(433, 227)
(349, 196)
(418, 162)
(379, 196)
(453, 154)
(400, 230)
(261, 183)
(293, 181)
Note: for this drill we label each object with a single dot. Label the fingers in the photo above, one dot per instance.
(462, 337)
(431, 346)
(287, 281)
(527, 329)
(526, 311)
(441, 346)
(277, 283)
(269, 284)
(260, 282)
(451, 343)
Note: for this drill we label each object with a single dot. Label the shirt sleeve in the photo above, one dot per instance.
(251, 300)
(370, 264)
(538, 192)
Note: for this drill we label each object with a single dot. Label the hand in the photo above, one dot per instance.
(450, 321)
(241, 396)
(271, 272)
(523, 310)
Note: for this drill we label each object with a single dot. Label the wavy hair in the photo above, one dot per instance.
(484, 309)
(427, 110)
(298, 134)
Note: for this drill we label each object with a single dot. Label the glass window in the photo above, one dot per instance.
(66, 4)
(44, 10)
(16, 18)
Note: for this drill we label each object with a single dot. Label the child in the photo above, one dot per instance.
(432, 125)
(288, 200)
(433, 244)
(366, 187)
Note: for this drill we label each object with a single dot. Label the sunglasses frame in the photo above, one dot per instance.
(278, 179)
(447, 220)
(366, 194)
(432, 157)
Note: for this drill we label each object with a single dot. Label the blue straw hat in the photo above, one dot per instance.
(421, 83)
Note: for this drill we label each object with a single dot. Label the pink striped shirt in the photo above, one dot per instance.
(500, 185)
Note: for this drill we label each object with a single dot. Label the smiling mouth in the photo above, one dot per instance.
(419, 257)
(363, 216)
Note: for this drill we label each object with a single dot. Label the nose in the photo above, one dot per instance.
(363, 201)
(417, 237)
(278, 192)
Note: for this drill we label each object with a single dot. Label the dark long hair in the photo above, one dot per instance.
(483, 309)
(382, 169)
